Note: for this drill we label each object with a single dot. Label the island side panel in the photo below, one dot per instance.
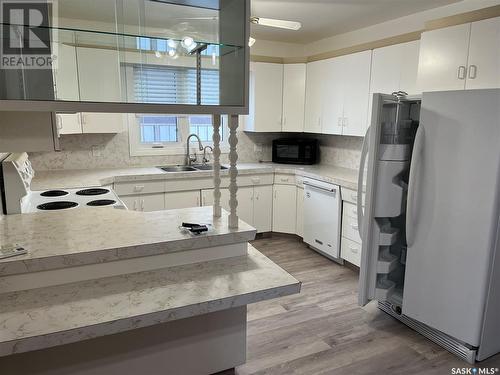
(203, 344)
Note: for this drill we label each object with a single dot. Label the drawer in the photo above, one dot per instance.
(350, 251)
(257, 179)
(284, 179)
(350, 195)
(139, 187)
(350, 228)
(350, 209)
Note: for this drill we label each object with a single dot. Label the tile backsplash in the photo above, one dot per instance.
(84, 151)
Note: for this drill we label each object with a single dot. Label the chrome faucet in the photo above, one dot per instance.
(190, 160)
(205, 159)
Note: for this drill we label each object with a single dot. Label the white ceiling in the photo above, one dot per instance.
(324, 18)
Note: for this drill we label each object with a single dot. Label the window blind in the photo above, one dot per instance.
(174, 85)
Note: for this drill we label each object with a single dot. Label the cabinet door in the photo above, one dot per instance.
(409, 67)
(284, 208)
(207, 198)
(66, 74)
(333, 96)
(300, 212)
(266, 97)
(144, 202)
(263, 208)
(356, 79)
(102, 122)
(182, 199)
(99, 74)
(443, 59)
(294, 95)
(484, 55)
(315, 81)
(132, 202)
(245, 199)
(69, 123)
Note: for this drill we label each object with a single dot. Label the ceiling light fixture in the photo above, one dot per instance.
(282, 24)
(188, 43)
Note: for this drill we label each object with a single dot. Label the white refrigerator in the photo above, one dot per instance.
(430, 223)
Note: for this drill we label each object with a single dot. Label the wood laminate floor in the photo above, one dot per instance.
(322, 330)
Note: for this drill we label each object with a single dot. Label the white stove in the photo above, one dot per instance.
(54, 200)
(17, 174)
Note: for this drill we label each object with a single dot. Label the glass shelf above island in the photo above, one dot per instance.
(139, 56)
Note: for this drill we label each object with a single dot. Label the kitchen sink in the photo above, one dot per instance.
(187, 168)
(206, 167)
(178, 168)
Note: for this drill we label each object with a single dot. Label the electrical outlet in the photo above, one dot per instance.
(257, 148)
(96, 151)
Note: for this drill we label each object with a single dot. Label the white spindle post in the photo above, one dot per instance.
(217, 180)
(233, 171)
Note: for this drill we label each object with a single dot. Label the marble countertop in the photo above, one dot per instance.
(51, 316)
(79, 237)
(52, 179)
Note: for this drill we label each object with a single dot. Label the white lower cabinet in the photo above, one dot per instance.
(350, 248)
(182, 199)
(300, 212)
(145, 202)
(207, 198)
(284, 208)
(263, 208)
(255, 204)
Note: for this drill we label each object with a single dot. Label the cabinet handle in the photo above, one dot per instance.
(135, 205)
(139, 187)
(462, 72)
(354, 249)
(284, 179)
(355, 227)
(256, 180)
(142, 204)
(473, 71)
(339, 121)
(345, 122)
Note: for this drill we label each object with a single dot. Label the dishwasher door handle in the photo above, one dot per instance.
(334, 190)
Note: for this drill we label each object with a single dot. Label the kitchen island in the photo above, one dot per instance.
(112, 291)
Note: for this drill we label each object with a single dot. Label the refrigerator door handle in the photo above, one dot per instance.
(361, 175)
(415, 161)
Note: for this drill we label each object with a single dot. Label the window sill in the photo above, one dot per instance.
(172, 151)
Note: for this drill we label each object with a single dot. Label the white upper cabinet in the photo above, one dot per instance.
(345, 94)
(394, 68)
(99, 74)
(443, 59)
(333, 96)
(266, 97)
(315, 84)
(68, 123)
(102, 122)
(356, 68)
(294, 96)
(66, 74)
(484, 55)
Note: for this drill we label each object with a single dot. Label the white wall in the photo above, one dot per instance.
(403, 25)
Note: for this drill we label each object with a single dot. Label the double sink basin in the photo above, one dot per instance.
(189, 168)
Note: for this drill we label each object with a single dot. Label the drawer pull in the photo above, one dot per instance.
(256, 180)
(353, 249)
(355, 227)
(284, 179)
(139, 187)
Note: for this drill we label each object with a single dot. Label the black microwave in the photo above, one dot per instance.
(296, 151)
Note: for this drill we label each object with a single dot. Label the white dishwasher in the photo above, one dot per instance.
(322, 217)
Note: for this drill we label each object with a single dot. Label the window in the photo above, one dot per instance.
(157, 129)
(166, 134)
